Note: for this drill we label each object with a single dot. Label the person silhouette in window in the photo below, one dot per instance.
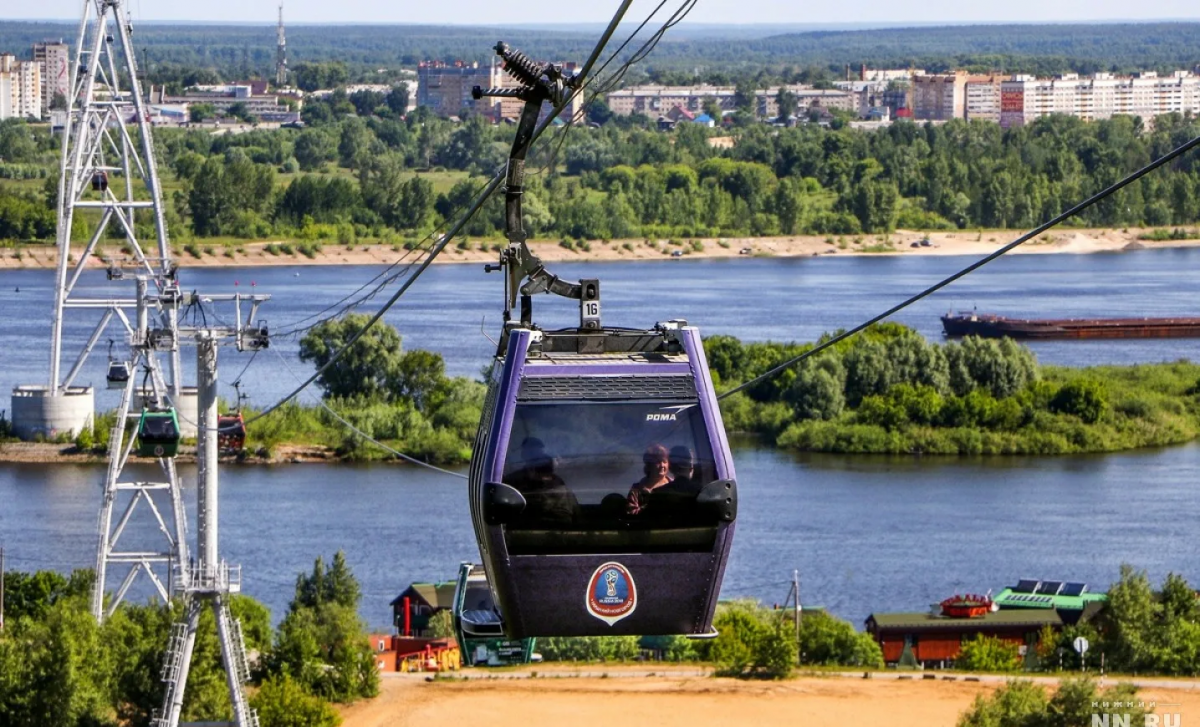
(547, 497)
(656, 476)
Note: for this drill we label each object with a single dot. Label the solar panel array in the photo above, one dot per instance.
(1028, 598)
(1026, 586)
(1074, 589)
(1050, 588)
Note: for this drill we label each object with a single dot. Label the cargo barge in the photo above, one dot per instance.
(992, 326)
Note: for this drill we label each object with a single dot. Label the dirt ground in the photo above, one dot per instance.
(689, 701)
(958, 242)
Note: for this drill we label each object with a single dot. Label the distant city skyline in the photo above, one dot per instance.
(483, 12)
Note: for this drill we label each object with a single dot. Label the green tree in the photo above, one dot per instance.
(313, 148)
(364, 369)
(201, 112)
(1087, 400)
(397, 99)
(322, 642)
(786, 100)
(829, 641)
(282, 702)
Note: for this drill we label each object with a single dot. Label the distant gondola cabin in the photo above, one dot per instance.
(158, 434)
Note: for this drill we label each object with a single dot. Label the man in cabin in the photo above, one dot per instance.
(547, 497)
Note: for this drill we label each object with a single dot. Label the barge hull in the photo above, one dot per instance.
(988, 326)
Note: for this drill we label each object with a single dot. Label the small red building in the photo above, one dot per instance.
(935, 638)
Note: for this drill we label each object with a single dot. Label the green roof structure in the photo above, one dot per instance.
(1057, 595)
(924, 620)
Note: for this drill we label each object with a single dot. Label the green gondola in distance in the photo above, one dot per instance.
(158, 433)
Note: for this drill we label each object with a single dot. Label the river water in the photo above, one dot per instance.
(866, 533)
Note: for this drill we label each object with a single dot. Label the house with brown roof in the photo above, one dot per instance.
(417, 604)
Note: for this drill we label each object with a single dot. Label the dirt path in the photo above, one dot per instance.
(673, 700)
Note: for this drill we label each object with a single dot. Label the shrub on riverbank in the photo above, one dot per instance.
(1074, 703)
(889, 391)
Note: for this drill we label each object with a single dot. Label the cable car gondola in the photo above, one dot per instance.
(118, 371)
(231, 428)
(478, 626)
(602, 488)
(100, 181)
(158, 433)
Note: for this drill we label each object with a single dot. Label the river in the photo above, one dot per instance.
(866, 533)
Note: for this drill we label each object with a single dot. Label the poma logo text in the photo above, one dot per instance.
(1123, 720)
(661, 418)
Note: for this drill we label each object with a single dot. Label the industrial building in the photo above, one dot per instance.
(266, 107)
(20, 88)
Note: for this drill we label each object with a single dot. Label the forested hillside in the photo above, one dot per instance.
(241, 50)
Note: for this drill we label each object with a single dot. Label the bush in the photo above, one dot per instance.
(829, 641)
(752, 641)
(591, 649)
(284, 703)
(989, 653)
(1086, 399)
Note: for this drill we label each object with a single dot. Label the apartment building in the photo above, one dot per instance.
(1102, 96)
(54, 58)
(983, 98)
(939, 96)
(656, 101)
(445, 88)
(20, 88)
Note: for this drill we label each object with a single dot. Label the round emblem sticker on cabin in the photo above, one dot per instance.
(611, 595)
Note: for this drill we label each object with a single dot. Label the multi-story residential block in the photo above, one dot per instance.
(656, 101)
(54, 57)
(20, 88)
(939, 96)
(446, 87)
(1102, 96)
(983, 98)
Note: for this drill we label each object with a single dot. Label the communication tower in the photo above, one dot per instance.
(280, 53)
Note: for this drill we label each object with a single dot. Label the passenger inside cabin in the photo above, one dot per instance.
(657, 476)
(547, 497)
(668, 491)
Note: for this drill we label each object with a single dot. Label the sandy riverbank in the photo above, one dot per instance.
(668, 700)
(52, 453)
(899, 243)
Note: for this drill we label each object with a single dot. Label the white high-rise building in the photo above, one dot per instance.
(20, 88)
(55, 61)
(1024, 99)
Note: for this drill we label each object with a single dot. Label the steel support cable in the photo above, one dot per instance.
(1090, 201)
(437, 248)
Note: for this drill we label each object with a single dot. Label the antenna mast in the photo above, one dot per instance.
(280, 53)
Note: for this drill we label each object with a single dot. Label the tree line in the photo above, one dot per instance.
(232, 52)
(364, 171)
(891, 391)
(60, 668)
